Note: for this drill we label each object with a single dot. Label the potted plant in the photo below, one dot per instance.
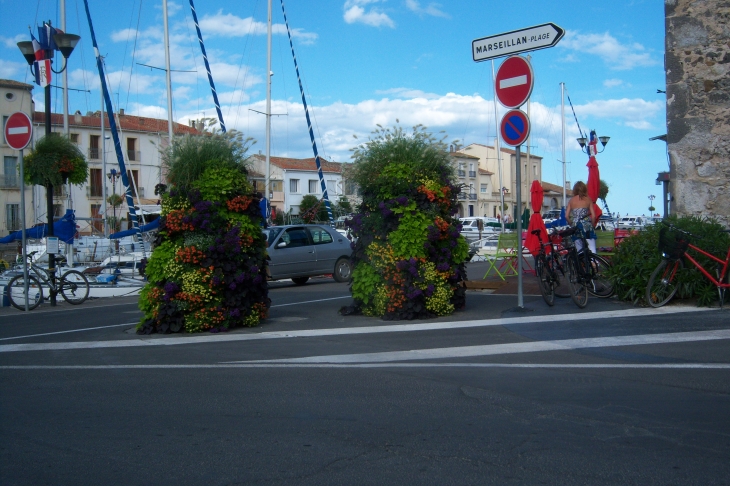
(55, 160)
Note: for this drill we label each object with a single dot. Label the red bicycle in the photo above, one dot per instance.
(674, 245)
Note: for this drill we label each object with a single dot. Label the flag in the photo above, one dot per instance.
(593, 144)
(45, 37)
(43, 72)
(39, 54)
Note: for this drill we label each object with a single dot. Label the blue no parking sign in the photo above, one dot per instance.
(515, 127)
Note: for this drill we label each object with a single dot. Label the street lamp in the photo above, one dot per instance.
(585, 145)
(39, 56)
(651, 203)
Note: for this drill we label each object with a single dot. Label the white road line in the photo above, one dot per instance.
(420, 327)
(312, 301)
(599, 366)
(512, 82)
(510, 348)
(65, 332)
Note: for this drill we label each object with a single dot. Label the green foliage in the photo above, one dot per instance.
(55, 160)
(637, 256)
(220, 180)
(312, 209)
(409, 257)
(188, 157)
(115, 200)
(343, 206)
(603, 191)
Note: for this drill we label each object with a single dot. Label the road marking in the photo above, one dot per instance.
(70, 330)
(420, 327)
(512, 82)
(510, 348)
(606, 366)
(312, 301)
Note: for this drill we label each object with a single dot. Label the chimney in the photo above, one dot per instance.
(77, 117)
(121, 111)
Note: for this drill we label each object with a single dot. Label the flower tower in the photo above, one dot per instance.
(208, 269)
(409, 257)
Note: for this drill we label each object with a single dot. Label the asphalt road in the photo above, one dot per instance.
(612, 394)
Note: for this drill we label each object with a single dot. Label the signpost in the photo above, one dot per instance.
(514, 81)
(18, 132)
(515, 127)
(523, 40)
(512, 87)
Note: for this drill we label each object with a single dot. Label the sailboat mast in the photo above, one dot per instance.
(167, 70)
(267, 181)
(562, 120)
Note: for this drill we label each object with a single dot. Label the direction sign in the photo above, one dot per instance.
(523, 40)
(513, 82)
(515, 127)
(18, 130)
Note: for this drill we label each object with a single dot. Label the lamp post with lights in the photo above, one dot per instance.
(39, 56)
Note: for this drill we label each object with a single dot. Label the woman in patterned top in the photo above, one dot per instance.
(581, 214)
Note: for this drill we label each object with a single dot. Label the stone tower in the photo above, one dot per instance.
(697, 62)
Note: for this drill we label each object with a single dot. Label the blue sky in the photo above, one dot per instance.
(365, 62)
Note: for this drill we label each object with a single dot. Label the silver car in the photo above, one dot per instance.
(307, 250)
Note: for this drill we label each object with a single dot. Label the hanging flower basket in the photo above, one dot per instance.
(55, 160)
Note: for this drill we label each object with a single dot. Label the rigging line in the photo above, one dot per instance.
(207, 68)
(83, 59)
(316, 123)
(134, 55)
(468, 118)
(246, 52)
(195, 63)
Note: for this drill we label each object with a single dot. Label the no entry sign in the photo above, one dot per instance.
(18, 130)
(514, 81)
(515, 127)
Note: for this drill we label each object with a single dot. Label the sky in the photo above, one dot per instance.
(370, 62)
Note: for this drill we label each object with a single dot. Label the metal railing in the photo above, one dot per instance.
(472, 173)
(10, 181)
(94, 153)
(134, 155)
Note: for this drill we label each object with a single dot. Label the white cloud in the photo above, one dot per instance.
(355, 13)
(616, 55)
(612, 83)
(229, 25)
(12, 42)
(633, 113)
(407, 93)
(432, 9)
(13, 70)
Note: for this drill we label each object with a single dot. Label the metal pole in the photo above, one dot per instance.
(167, 72)
(496, 145)
(103, 168)
(267, 175)
(518, 225)
(562, 122)
(49, 205)
(23, 252)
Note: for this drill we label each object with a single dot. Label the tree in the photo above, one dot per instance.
(603, 191)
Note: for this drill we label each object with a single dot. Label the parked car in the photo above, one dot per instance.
(307, 250)
(631, 222)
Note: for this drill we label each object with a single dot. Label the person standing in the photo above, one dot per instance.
(581, 215)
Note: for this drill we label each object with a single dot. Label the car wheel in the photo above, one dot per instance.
(343, 270)
(300, 280)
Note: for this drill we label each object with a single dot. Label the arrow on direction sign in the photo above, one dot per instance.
(523, 40)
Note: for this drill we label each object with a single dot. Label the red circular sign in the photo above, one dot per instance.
(18, 130)
(515, 127)
(514, 81)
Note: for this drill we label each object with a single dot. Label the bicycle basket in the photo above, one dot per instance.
(672, 243)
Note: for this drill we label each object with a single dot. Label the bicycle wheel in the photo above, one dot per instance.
(600, 285)
(16, 292)
(578, 290)
(663, 283)
(543, 271)
(74, 287)
(560, 270)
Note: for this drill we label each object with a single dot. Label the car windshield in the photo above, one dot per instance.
(271, 233)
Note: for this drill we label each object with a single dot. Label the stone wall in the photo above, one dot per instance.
(697, 62)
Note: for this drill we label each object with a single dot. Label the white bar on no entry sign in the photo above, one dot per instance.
(17, 130)
(512, 82)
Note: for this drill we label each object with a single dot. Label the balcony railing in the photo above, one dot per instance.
(462, 173)
(134, 155)
(10, 181)
(472, 173)
(473, 197)
(94, 153)
(462, 196)
(60, 191)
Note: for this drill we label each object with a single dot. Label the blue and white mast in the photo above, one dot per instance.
(114, 131)
(309, 123)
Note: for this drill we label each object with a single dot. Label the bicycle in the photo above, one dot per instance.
(674, 245)
(550, 269)
(72, 285)
(586, 270)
